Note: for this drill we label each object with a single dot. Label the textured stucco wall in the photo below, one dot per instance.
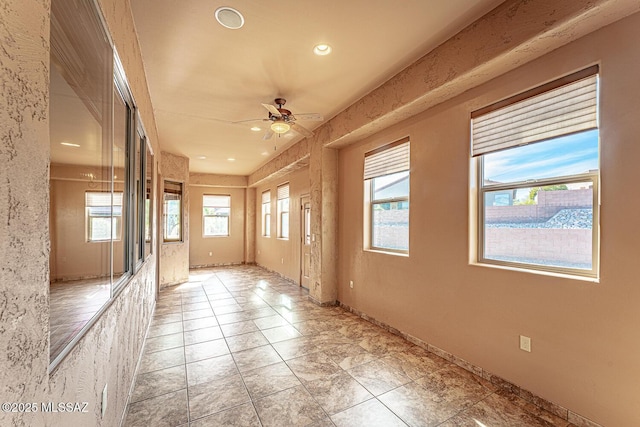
(323, 170)
(109, 351)
(174, 256)
(250, 226)
(213, 180)
(24, 196)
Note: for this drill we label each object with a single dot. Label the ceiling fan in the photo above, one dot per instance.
(282, 120)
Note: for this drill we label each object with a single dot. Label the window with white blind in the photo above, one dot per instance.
(103, 216)
(538, 158)
(216, 210)
(266, 213)
(386, 180)
(282, 194)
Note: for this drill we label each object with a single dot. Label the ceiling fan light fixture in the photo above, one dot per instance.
(322, 49)
(280, 127)
(256, 128)
(230, 18)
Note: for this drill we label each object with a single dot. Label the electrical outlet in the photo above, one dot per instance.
(281, 260)
(104, 400)
(525, 343)
(351, 284)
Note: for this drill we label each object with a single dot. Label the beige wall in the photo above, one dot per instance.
(584, 334)
(72, 256)
(225, 249)
(280, 255)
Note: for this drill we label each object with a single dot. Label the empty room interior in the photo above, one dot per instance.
(360, 213)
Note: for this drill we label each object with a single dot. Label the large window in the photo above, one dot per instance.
(172, 220)
(539, 177)
(216, 210)
(103, 216)
(96, 171)
(386, 178)
(266, 213)
(283, 211)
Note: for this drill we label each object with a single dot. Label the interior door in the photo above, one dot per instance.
(305, 232)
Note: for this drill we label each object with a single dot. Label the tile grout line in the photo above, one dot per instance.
(255, 410)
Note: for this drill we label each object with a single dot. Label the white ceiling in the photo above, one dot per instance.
(203, 77)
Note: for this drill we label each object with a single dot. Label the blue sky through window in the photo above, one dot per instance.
(567, 155)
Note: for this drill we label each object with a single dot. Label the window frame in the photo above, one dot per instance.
(116, 235)
(281, 212)
(204, 216)
(101, 104)
(592, 176)
(266, 213)
(370, 202)
(179, 193)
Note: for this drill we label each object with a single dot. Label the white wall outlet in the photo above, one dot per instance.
(525, 343)
(210, 253)
(281, 260)
(103, 408)
(351, 284)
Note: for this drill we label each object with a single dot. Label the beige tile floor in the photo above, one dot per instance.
(242, 347)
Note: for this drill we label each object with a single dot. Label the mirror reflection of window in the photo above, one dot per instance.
(85, 213)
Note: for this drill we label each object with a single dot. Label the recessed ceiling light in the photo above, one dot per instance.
(231, 159)
(256, 129)
(230, 18)
(322, 49)
(201, 157)
(69, 144)
(265, 153)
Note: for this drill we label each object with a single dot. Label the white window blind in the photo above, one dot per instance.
(391, 158)
(102, 199)
(562, 107)
(216, 201)
(283, 192)
(266, 197)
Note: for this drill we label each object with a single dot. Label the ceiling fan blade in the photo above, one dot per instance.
(301, 129)
(248, 121)
(314, 117)
(268, 134)
(272, 109)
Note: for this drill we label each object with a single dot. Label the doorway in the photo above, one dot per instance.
(305, 245)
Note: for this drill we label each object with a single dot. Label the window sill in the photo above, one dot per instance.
(536, 271)
(382, 251)
(209, 237)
